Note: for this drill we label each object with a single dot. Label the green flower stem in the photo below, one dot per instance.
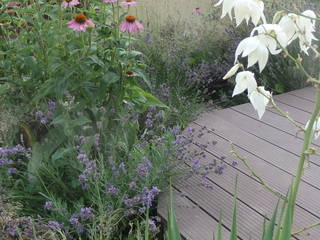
(306, 145)
(273, 105)
(118, 21)
(305, 228)
(129, 45)
(279, 195)
(60, 18)
(285, 115)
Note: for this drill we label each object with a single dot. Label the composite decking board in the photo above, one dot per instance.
(257, 197)
(278, 157)
(218, 199)
(193, 222)
(271, 119)
(277, 121)
(308, 93)
(276, 164)
(266, 132)
(295, 102)
(272, 176)
(296, 114)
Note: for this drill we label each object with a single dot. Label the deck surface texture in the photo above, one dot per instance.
(271, 146)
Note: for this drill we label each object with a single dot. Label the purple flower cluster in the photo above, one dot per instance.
(86, 214)
(48, 205)
(54, 225)
(74, 220)
(89, 170)
(48, 116)
(143, 168)
(149, 195)
(11, 158)
(112, 190)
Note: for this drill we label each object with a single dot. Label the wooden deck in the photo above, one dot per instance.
(271, 147)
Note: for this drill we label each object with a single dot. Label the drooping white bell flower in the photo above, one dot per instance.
(244, 80)
(315, 129)
(232, 71)
(257, 48)
(243, 10)
(298, 26)
(270, 34)
(246, 9)
(226, 7)
(259, 99)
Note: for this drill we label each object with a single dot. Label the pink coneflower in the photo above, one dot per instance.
(14, 4)
(129, 3)
(109, 1)
(80, 22)
(130, 25)
(198, 11)
(69, 3)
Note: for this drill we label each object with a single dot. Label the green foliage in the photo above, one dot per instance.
(173, 228)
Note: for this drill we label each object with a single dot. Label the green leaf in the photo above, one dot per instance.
(173, 228)
(80, 121)
(60, 153)
(283, 208)
(110, 78)
(35, 161)
(139, 237)
(96, 60)
(264, 227)
(287, 224)
(144, 77)
(146, 230)
(269, 233)
(233, 234)
(220, 226)
(150, 100)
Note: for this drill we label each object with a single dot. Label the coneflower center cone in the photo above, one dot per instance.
(130, 18)
(80, 18)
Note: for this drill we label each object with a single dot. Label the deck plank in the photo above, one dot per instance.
(193, 222)
(296, 102)
(272, 176)
(308, 93)
(263, 202)
(271, 147)
(284, 160)
(277, 137)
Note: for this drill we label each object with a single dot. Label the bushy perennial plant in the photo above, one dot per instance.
(92, 149)
(273, 39)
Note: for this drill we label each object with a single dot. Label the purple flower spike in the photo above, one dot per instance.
(48, 205)
(86, 213)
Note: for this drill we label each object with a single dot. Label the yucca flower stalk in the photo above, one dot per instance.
(274, 38)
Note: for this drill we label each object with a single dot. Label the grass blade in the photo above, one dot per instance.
(269, 233)
(233, 234)
(264, 227)
(287, 224)
(146, 230)
(173, 229)
(283, 208)
(220, 227)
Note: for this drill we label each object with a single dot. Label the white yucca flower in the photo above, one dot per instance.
(297, 26)
(259, 99)
(257, 47)
(315, 129)
(232, 71)
(244, 80)
(243, 10)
